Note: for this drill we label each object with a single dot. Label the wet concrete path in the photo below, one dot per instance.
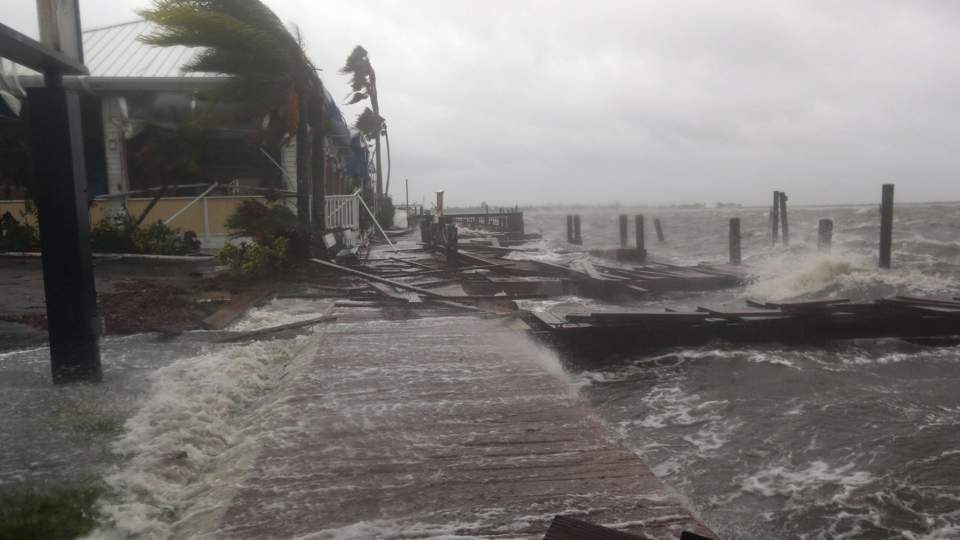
(454, 427)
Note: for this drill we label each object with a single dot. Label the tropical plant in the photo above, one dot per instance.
(254, 260)
(18, 235)
(122, 234)
(271, 77)
(363, 84)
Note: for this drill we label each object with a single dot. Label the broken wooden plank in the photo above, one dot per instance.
(237, 306)
(377, 279)
(568, 528)
(253, 334)
(386, 290)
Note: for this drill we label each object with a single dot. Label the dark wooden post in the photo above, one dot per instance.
(577, 239)
(569, 228)
(825, 235)
(641, 235)
(451, 239)
(659, 229)
(783, 218)
(734, 240)
(623, 231)
(886, 225)
(60, 173)
(775, 218)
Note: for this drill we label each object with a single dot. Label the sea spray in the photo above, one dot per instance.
(190, 419)
(790, 277)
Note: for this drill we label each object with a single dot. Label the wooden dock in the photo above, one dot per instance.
(816, 321)
(439, 427)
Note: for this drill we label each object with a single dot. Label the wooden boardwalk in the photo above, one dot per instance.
(443, 426)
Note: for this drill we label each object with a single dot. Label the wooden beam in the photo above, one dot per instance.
(371, 277)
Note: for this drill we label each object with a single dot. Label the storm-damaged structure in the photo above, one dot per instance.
(147, 125)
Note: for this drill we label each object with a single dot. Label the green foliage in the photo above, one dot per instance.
(246, 40)
(255, 260)
(50, 513)
(19, 236)
(261, 222)
(120, 234)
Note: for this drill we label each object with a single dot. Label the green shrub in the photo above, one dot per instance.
(261, 222)
(255, 260)
(16, 235)
(120, 234)
(49, 513)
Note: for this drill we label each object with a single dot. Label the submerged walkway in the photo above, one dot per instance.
(457, 427)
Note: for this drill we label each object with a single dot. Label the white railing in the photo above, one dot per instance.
(342, 211)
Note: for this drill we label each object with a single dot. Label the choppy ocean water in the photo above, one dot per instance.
(856, 439)
(851, 440)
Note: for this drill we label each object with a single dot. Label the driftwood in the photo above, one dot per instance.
(237, 306)
(253, 334)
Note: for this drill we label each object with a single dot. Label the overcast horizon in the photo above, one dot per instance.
(542, 103)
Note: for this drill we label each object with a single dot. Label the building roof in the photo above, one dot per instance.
(115, 51)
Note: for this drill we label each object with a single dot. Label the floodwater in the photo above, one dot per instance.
(851, 440)
(857, 439)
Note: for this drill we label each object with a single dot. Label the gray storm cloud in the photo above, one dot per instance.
(647, 102)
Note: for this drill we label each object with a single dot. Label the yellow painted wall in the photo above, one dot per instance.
(217, 211)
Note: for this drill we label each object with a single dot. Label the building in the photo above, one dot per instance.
(136, 104)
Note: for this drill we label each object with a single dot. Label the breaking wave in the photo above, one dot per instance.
(191, 435)
(833, 276)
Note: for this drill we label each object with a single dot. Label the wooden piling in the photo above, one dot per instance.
(577, 239)
(886, 225)
(452, 244)
(775, 219)
(623, 231)
(659, 229)
(641, 240)
(825, 235)
(785, 226)
(734, 240)
(569, 228)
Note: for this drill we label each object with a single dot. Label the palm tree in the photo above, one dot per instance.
(271, 76)
(363, 83)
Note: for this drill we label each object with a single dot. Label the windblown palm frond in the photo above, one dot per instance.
(245, 40)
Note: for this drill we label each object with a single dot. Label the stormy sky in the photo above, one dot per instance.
(645, 102)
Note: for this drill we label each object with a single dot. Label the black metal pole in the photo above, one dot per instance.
(886, 225)
(60, 174)
(735, 240)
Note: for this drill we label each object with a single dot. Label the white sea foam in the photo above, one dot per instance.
(190, 420)
(787, 277)
(801, 486)
(281, 311)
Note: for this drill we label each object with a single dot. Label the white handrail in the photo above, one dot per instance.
(191, 203)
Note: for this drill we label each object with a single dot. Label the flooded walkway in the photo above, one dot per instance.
(447, 426)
